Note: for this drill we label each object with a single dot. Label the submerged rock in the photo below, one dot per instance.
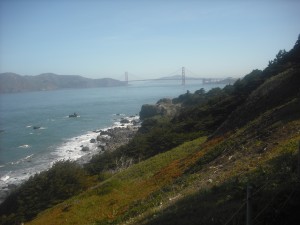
(73, 115)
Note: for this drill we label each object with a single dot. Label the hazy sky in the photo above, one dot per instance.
(151, 38)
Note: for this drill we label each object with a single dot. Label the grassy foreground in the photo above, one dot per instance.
(199, 176)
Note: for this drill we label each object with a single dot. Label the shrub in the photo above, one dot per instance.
(42, 191)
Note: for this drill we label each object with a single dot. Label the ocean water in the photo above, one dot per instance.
(25, 151)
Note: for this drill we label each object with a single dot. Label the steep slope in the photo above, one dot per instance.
(204, 182)
(262, 153)
(275, 91)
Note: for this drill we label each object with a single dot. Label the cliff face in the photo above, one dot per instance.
(163, 107)
(11, 82)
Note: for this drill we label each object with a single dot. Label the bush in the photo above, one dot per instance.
(42, 191)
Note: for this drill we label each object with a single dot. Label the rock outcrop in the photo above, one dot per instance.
(85, 149)
(163, 107)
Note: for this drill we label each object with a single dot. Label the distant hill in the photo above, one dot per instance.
(12, 83)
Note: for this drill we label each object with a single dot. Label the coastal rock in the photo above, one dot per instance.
(85, 149)
(135, 122)
(163, 107)
(93, 140)
(108, 140)
(73, 115)
(99, 138)
(97, 131)
(103, 139)
(101, 147)
(124, 121)
(105, 132)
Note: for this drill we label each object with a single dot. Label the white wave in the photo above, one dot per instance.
(24, 146)
(4, 178)
(22, 160)
(129, 118)
(2, 166)
(29, 126)
(72, 116)
(119, 114)
(72, 148)
(29, 156)
(17, 177)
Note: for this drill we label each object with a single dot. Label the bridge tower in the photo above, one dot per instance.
(126, 77)
(183, 76)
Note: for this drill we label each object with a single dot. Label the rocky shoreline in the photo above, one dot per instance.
(110, 140)
(100, 141)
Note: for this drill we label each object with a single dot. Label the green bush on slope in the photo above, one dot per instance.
(42, 191)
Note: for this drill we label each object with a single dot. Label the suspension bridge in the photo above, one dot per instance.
(183, 78)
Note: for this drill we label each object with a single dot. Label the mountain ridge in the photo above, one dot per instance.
(13, 83)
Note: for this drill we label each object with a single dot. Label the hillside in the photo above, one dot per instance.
(11, 82)
(191, 166)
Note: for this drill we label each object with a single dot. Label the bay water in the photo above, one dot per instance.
(25, 151)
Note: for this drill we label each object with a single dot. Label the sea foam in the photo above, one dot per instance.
(70, 149)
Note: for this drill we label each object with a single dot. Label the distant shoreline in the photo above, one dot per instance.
(15, 83)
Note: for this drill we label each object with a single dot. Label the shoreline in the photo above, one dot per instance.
(110, 139)
(82, 150)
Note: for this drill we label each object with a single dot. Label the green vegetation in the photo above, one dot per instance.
(192, 168)
(43, 191)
